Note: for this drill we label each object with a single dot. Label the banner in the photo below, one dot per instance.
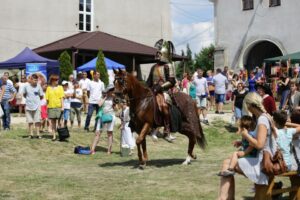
(40, 69)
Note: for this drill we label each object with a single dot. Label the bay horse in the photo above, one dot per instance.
(142, 108)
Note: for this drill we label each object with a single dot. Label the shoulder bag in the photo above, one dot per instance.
(63, 132)
(273, 165)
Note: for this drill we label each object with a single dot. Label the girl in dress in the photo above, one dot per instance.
(127, 137)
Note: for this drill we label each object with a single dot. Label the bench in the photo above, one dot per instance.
(265, 192)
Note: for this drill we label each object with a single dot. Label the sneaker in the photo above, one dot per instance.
(172, 137)
(39, 137)
(205, 122)
(86, 129)
(221, 113)
(168, 139)
(217, 112)
(154, 137)
(30, 137)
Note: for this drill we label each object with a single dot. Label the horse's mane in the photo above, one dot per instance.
(136, 85)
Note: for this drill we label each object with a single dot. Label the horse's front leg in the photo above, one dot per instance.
(143, 133)
(139, 141)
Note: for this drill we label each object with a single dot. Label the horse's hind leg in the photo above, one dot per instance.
(145, 154)
(192, 142)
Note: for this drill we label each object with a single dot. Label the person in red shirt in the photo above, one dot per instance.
(268, 101)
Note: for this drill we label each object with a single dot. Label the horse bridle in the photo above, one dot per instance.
(122, 83)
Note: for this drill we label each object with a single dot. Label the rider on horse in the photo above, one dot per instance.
(161, 79)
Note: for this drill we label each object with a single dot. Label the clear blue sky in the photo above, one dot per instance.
(192, 22)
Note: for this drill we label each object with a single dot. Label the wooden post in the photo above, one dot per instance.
(133, 63)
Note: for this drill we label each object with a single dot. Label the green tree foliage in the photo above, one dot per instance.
(205, 58)
(189, 68)
(188, 65)
(180, 67)
(65, 65)
(101, 68)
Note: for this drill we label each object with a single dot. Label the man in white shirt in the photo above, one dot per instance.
(70, 82)
(95, 89)
(220, 82)
(83, 84)
(201, 94)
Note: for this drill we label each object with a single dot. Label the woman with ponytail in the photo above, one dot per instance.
(264, 140)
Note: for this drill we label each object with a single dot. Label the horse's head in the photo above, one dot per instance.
(120, 83)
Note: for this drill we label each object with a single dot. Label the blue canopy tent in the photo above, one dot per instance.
(91, 65)
(28, 56)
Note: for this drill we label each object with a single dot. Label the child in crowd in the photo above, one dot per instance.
(246, 124)
(44, 113)
(285, 136)
(126, 134)
(67, 102)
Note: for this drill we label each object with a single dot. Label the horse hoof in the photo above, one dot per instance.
(186, 163)
(142, 166)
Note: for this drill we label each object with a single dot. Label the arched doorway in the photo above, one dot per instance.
(259, 52)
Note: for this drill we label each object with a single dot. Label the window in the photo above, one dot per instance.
(248, 4)
(274, 3)
(85, 15)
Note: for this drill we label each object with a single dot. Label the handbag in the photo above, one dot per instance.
(63, 132)
(106, 118)
(273, 165)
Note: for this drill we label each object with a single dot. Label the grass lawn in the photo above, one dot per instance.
(42, 169)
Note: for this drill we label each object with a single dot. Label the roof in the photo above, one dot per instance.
(294, 57)
(26, 56)
(99, 40)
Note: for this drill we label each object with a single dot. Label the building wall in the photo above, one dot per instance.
(237, 31)
(34, 23)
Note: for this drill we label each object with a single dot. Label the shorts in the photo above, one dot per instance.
(212, 93)
(33, 116)
(201, 102)
(44, 114)
(108, 126)
(219, 98)
(66, 114)
(54, 113)
(237, 113)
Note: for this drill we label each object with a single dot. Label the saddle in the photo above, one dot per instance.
(174, 114)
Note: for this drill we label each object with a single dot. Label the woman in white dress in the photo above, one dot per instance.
(251, 166)
(127, 137)
(107, 105)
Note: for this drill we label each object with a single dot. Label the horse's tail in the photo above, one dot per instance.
(200, 137)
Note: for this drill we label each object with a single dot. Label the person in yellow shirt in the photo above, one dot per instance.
(54, 96)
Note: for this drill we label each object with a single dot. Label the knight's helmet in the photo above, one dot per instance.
(165, 51)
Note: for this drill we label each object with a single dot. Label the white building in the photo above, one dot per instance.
(34, 23)
(248, 31)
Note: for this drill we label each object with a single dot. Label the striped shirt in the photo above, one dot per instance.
(9, 90)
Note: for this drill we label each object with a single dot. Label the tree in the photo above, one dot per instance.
(185, 66)
(190, 68)
(65, 65)
(101, 68)
(180, 67)
(205, 58)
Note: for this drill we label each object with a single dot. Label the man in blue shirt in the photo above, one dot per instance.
(8, 93)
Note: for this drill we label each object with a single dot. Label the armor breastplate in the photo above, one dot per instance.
(159, 74)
